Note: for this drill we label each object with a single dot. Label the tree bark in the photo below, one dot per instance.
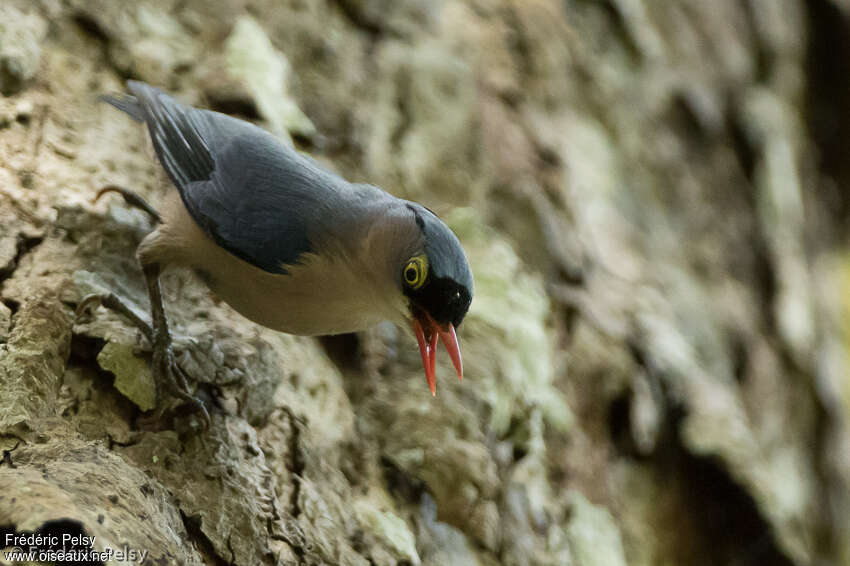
(654, 201)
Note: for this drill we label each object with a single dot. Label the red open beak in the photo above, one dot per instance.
(427, 330)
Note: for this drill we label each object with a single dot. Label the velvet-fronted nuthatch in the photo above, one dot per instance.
(286, 243)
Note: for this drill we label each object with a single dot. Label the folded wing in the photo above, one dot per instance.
(254, 196)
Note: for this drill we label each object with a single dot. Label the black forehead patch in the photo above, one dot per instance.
(444, 299)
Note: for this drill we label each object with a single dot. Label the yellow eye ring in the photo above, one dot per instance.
(415, 272)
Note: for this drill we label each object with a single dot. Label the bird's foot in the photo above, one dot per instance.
(132, 199)
(167, 373)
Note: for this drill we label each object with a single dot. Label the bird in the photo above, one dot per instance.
(285, 242)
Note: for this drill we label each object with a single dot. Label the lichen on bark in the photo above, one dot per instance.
(652, 199)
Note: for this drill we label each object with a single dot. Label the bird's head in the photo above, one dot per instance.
(436, 281)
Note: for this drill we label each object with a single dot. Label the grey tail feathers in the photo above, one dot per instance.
(125, 103)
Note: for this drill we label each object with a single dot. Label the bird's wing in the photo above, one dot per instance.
(254, 196)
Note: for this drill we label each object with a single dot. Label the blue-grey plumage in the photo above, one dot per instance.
(231, 175)
(289, 244)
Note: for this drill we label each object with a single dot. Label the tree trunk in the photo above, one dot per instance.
(654, 200)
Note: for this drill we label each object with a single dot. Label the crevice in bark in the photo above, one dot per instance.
(729, 526)
(741, 144)
(83, 356)
(93, 29)
(729, 521)
(827, 105)
(619, 425)
(112, 443)
(739, 357)
(13, 307)
(7, 456)
(230, 549)
(765, 281)
(619, 25)
(296, 462)
(759, 266)
(24, 246)
(401, 99)
(234, 105)
(520, 52)
(358, 19)
(763, 58)
(202, 542)
(343, 350)
(84, 348)
(401, 485)
(569, 269)
(26, 173)
(90, 27)
(827, 117)
(826, 541)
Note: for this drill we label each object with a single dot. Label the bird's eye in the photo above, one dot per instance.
(411, 274)
(415, 272)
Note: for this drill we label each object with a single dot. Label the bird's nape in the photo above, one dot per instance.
(427, 330)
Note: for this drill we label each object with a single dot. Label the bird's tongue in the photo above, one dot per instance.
(426, 331)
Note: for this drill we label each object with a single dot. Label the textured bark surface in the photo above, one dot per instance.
(654, 197)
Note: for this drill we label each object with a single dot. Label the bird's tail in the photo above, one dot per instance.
(126, 103)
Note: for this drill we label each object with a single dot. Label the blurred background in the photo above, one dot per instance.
(655, 201)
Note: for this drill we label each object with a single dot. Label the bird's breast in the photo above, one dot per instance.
(317, 296)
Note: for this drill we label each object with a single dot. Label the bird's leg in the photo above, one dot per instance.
(165, 368)
(112, 302)
(132, 199)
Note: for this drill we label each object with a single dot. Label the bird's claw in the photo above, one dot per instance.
(131, 199)
(168, 371)
(87, 302)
